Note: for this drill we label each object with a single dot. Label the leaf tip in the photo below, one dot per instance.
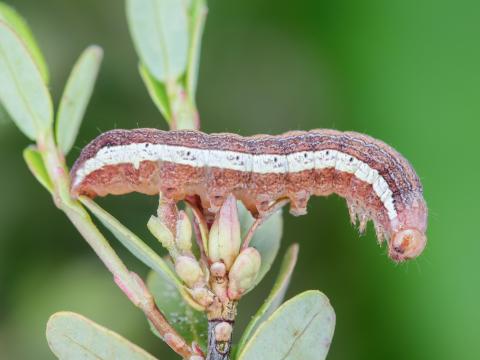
(96, 50)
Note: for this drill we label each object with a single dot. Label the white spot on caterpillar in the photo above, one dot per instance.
(300, 161)
(346, 163)
(325, 159)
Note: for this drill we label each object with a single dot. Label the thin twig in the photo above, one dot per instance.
(197, 214)
(169, 335)
(260, 220)
(198, 240)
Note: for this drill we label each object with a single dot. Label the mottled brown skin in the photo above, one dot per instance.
(259, 191)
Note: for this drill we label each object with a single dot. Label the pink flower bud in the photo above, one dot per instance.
(224, 240)
(243, 273)
(188, 269)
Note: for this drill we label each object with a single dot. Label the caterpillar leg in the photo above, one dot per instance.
(263, 203)
(299, 201)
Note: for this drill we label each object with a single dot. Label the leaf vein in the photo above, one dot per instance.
(300, 335)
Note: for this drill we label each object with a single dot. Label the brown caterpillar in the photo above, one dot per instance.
(377, 182)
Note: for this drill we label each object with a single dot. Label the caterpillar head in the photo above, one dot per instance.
(406, 244)
(408, 239)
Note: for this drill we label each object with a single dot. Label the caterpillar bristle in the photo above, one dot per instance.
(380, 231)
(352, 211)
(363, 216)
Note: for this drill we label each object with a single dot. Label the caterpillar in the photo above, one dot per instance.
(377, 182)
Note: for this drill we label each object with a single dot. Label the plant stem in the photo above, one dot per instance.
(221, 318)
(129, 282)
(218, 349)
(184, 112)
(260, 220)
(169, 335)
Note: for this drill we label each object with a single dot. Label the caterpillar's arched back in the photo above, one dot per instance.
(377, 182)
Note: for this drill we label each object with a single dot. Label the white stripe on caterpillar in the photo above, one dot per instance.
(135, 153)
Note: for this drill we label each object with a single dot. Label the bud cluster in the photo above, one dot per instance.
(224, 272)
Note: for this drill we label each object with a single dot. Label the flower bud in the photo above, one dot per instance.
(183, 238)
(202, 296)
(219, 283)
(188, 269)
(161, 232)
(224, 240)
(243, 273)
(218, 269)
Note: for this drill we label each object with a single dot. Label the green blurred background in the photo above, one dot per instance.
(404, 71)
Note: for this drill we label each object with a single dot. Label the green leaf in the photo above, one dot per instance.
(191, 324)
(4, 116)
(266, 238)
(302, 328)
(157, 92)
(35, 163)
(17, 23)
(22, 90)
(197, 15)
(275, 297)
(132, 242)
(159, 30)
(76, 96)
(74, 337)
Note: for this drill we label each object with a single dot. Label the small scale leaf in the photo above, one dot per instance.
(76, 96)
(22, 90)
(302, 328)
(266, 238)
(157, 92)
(35, 163)
(132, 242)
(191, 324)
(276, 295)
(17, 23)
(159, 30)
(74, 337)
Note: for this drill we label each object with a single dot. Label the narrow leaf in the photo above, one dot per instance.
(191, 324)
(22, 90)
(20, 26)
(159, 30)
(76, 96)
(266, 238)
(35, 163)
(74, 337)
(275, 297)
(157, 92)
(302, 328)
(132, 242)
(197, 15)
